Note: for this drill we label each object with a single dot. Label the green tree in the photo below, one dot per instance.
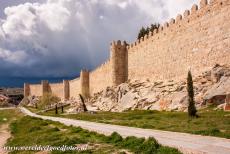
(145, 31)
(191, 106)
(154, 26)
(141, 33)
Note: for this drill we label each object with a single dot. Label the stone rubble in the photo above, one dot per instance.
(210, 88)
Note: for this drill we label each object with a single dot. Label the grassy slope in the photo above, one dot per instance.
(40, 132)
(211, 123)
(6, 116)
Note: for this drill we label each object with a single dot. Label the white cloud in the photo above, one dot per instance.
(16, 57)
(59, 37)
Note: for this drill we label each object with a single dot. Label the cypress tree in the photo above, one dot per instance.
(191, 106)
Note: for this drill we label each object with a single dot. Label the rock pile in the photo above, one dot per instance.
(30, 101)
(211, 87)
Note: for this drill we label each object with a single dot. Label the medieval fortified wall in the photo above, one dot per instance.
(197, 40)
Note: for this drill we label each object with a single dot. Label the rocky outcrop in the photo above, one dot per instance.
(30, 101)
(210, 88)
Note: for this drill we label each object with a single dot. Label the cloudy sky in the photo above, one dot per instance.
(53, 38)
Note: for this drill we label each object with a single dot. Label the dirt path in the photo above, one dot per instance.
(7, 108)
(4, 135)
(186, 143)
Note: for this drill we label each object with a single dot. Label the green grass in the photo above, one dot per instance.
(6, 116)
(210, 122)
(29, 131)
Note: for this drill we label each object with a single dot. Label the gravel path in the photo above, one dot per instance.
(4, 135)
(7, 108)
(186, 143)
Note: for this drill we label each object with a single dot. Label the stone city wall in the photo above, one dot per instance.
(196, 41)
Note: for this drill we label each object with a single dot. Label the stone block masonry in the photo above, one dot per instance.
(119, 59)
(196, 40)
(84, 77)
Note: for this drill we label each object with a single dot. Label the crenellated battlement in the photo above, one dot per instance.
(205, 7)
(118, 44)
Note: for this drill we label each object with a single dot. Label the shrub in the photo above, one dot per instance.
(115, 138)
(132, 142)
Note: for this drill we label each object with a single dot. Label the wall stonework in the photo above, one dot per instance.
(75, 88)
(101, 78)
(57, 89)
(197, 40)
(35, 89)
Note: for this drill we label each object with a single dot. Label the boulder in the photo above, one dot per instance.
(127, 102)
(217, 93)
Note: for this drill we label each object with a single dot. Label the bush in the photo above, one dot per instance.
(150, 146)
(115, 138)
(132, 142)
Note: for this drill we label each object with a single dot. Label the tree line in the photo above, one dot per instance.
(146, 30)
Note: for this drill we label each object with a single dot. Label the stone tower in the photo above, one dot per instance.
(119, 62)
(66, 89)
(45, 87)
(84, 78)
(26, 89)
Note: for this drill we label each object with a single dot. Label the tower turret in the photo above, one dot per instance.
(119, 62)
(84, 77)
